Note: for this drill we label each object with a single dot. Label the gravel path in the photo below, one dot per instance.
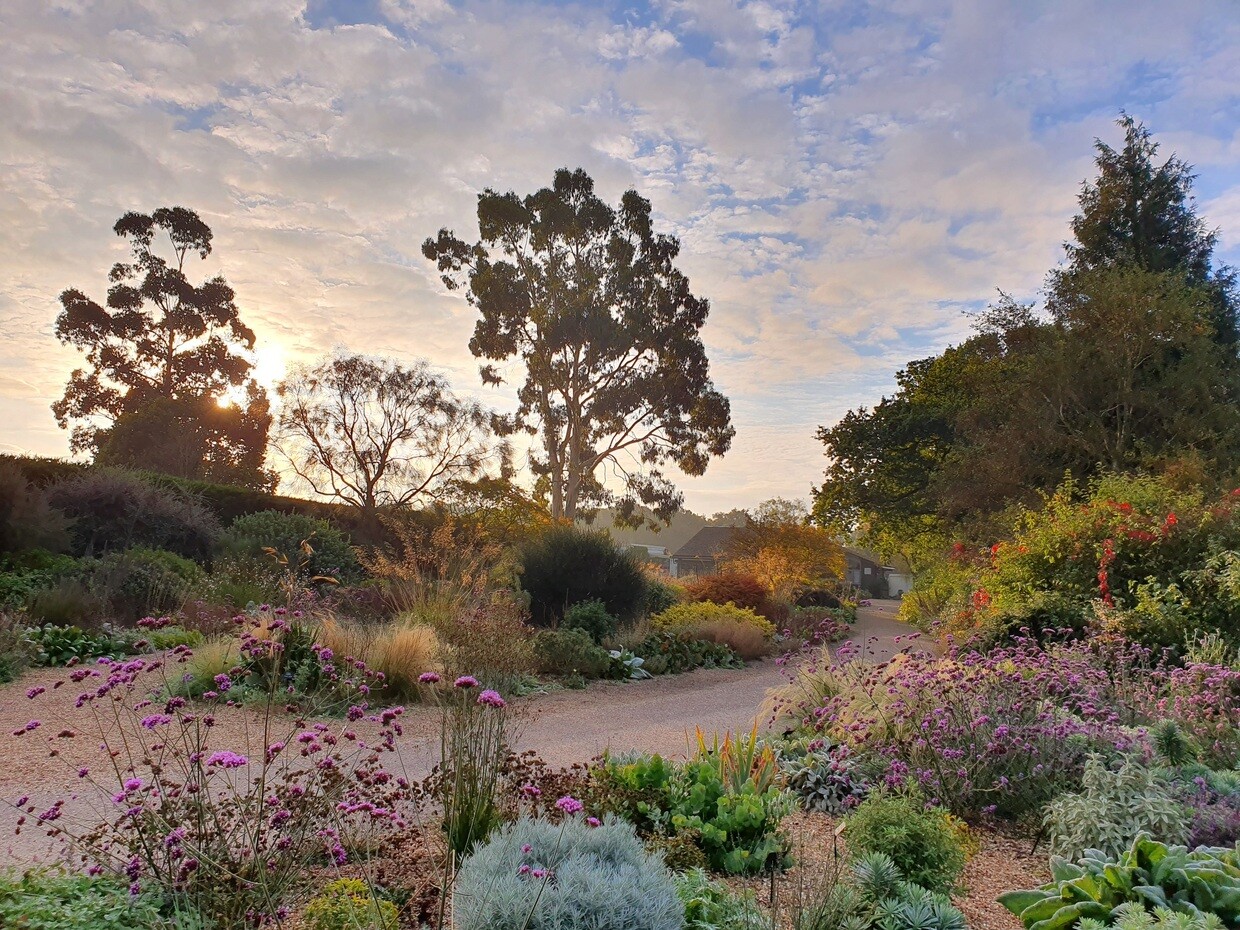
(563, 727)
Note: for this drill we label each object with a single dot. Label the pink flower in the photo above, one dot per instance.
(594, 821)
(569, 805)
(526, 848)
(524, 870)
(429, 678)
(492, 699)
(227, 759)
(466, 681)
(531, 791)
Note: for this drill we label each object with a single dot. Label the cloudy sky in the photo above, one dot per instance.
(846, 179)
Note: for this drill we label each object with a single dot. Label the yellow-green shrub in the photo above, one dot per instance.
(349, 904)
(679, 616)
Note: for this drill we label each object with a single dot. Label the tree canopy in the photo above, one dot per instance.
(1131, 366)
(588, 299)
(160, 340)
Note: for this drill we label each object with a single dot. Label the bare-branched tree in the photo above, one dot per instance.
(372, 433)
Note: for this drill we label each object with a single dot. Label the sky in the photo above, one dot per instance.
(848, 180)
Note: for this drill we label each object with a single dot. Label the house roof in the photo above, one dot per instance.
(707, 543)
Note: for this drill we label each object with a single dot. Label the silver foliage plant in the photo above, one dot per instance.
(538, 875)
(1112, 808)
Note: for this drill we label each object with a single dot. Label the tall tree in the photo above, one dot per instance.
(1132, 367)
(373, 433)
(589, 299)
(1139, 212)
(195, 437)
(159, 339)
(782, 549)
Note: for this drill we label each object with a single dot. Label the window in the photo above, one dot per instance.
(867, 569)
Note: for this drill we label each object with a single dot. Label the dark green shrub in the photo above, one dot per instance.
(568, 652)
(248, 536)
(67, 602)
(924, 842)
(27, 519)
(140, 582)
(660, 595)
(590, 617)
(115, 510)
(673, 652)
(55, 646)
(14, 648)
(734, 821)
(564, 565)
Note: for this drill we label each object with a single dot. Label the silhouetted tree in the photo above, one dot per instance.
(161, 341)
(589, 299)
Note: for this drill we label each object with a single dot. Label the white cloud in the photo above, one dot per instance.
(844, 180)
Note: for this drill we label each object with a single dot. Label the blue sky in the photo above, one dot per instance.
(847, 179)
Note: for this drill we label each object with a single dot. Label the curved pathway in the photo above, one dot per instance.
(564, 727)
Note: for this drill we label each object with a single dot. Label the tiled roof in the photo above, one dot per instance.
(708, 543)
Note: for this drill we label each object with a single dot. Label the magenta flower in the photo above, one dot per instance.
(526, 848)
(227, 759)
(569, 805)
(133, 784)
(492, 699)
(594, 821)
(466, 681)
(429, 678)
(531, 791)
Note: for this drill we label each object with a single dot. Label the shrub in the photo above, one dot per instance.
(349, 904)
(116, 510)
(737, 588)
(661, 593)
(402, 654)
(68, 602)
(140, 583)
(1148, 874)
(998, 733)
(568, 876)
(876, 896)
(62, 645)
(733, 811)
(743, 638)
(711, 905)
(570, 652)
(680, 651)
(824, 777)
(14, 647)
(1111, 809)
(692, 615)
(249, 536)
(217, 656)
(45, 900)
(563, 565)
(590, 617)
(490, 641)
(27, 519)
(237, 583)
(27, 573)
(922, 841)
(224, 830)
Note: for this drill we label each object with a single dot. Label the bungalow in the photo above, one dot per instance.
(702, 554)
